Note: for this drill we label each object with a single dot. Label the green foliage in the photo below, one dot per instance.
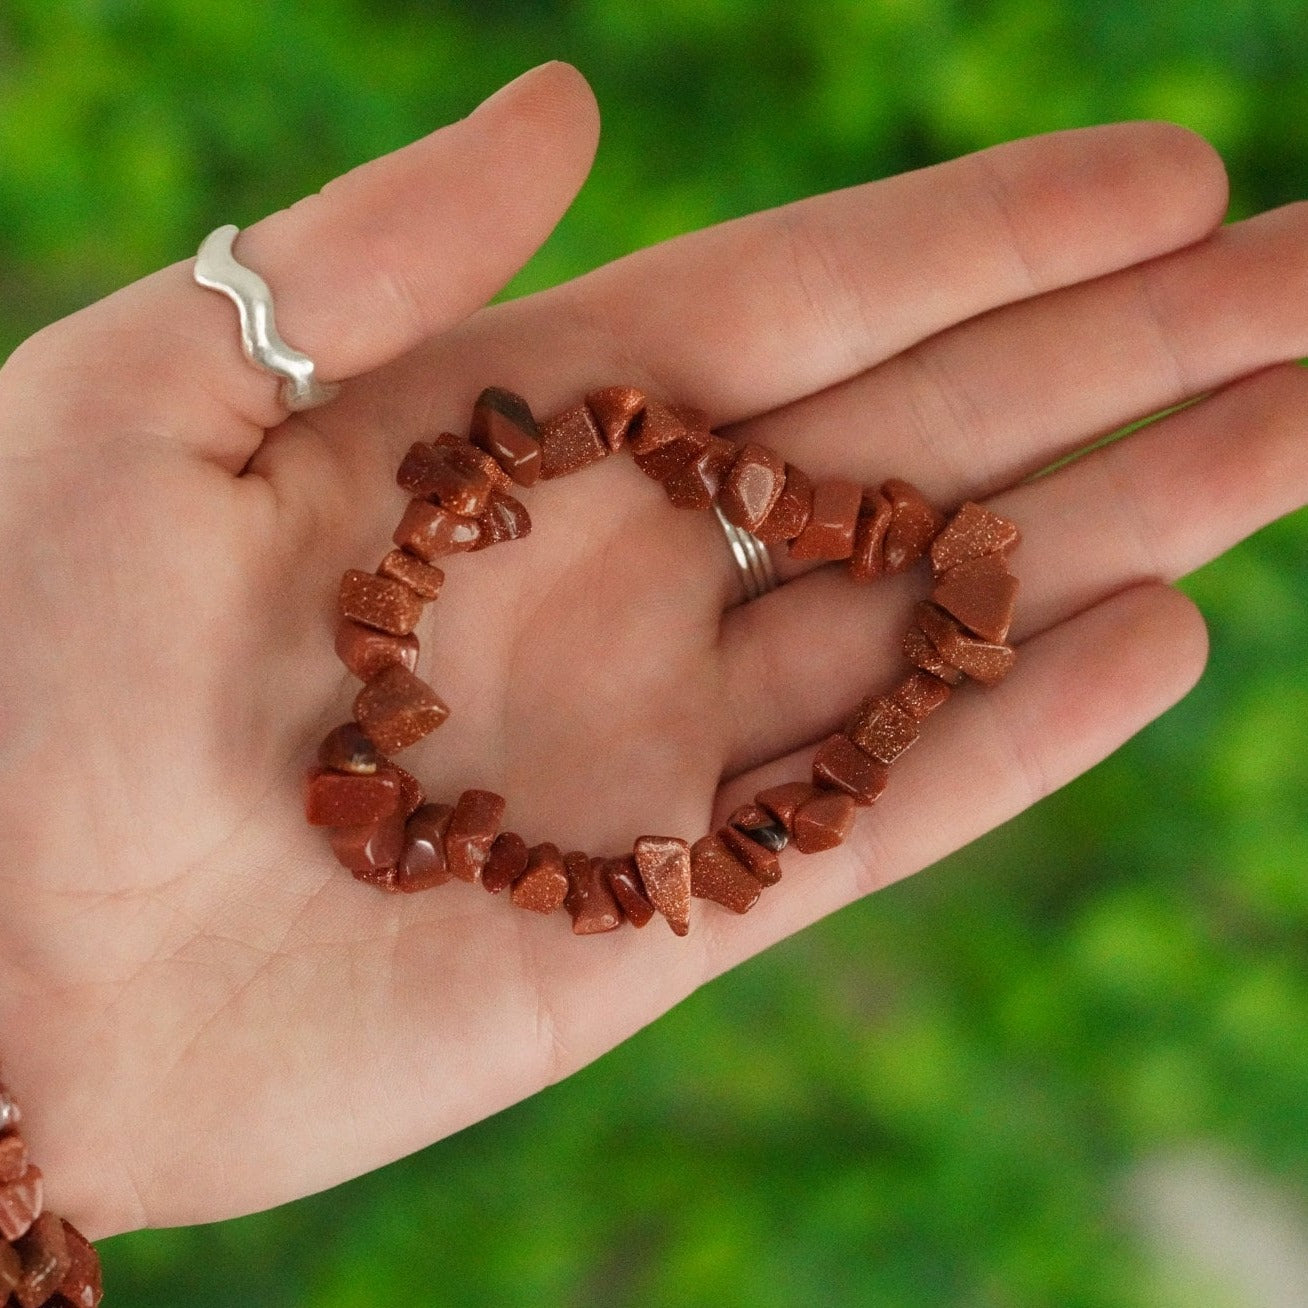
(931, 1097)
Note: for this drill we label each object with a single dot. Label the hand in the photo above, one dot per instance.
(202, 1013)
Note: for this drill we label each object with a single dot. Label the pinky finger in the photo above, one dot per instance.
(1079, 691)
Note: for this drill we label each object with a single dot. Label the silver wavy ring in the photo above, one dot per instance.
(752, 558)
(216, 267)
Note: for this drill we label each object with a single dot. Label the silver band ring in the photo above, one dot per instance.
(752, 558)
(217, 268)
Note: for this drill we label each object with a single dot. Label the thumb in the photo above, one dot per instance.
(393, 252)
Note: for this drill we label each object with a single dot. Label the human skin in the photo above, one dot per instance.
(202, 1014)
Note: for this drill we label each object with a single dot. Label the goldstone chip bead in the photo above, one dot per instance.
(829, 532)
(628, 889)
(424, 580)
(973, 532)
(379, 602)
(867, 562)
(370, 847)
(431, 530)
(365, 651)
(20, 1202)
(615, 408)
(423, 863)
(397, 709)
(839, 764)
(664, 866)
(570, 441)
(981, 594)
(717, 874)
(45, 1258)
(506, 862)
(881, 728)
(914, 524)
(988, 662)
(823, 822)
(503, 426)
(543, 886)
(590, 900)
(752, 487)
(474, 824)
(344, 799)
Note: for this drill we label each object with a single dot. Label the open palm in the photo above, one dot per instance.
(202, 1013)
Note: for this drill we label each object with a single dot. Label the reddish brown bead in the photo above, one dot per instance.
(921, 653)
(985, 661)
(867, 563)
(913, 526)
(656, 426)
(752, 487)
(543, 887)
(347, 749)
(421, 578)
(20, 1202)
(589, 901)
(763, 865)
(11, 1269)
(570, 441)
(342, 799)
(431, 530)
(379, 602)
(13, 1158)
(81, 1286)
(716, 874)
(791, 512)
(45, 1258)
(971, 533)
(696, 483)
(667, 460)
(823, 822)
(414, 470)
(365, 652)
(396, 709)
(422, 863)
(474, 824)
(458, 485)
(625, 883)
(368, 848)
(615, 408)
(881, 729)
(782, 801)
(829, 532)
(981, 594)
(839, 764)
(505, 863)
(664, 866)
(410, 788)
(505, 519)
(503, 426)
(920, 694)
(467, 455)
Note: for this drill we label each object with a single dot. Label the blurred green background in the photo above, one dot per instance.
(941, 1095)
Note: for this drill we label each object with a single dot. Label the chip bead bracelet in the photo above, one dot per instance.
(43, 1259)
(381, 825)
